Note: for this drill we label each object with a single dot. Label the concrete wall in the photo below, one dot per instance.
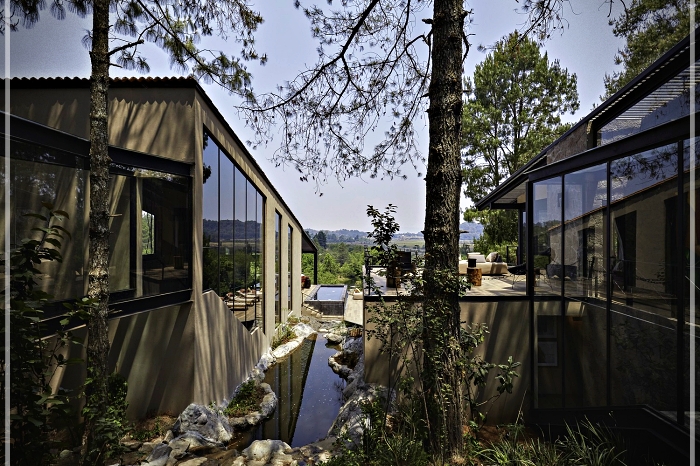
(509, 327)
(157, 121)
(224, 350)
(174, 356)
(153, 351)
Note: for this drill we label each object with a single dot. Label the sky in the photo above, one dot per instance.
(585, 47)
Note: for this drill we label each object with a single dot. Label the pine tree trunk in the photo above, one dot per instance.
(443, 184)
(98, 271)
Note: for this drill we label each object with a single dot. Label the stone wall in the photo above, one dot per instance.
(573, 144)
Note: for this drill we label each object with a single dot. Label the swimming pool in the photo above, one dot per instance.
(328, 299)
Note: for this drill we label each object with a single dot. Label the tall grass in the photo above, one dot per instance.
(584, 444)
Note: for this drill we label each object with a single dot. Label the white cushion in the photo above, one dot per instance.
(478, 257)
(492, 257)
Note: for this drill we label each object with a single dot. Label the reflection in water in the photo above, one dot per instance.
(309, 397)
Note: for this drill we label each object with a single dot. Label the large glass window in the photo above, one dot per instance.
(548, 267)
(643, 227)
(547, 237)
(691, 250)
(289, 267)
(149, 223)
(233, 229)
(585, 329)
(42, 175)
(278, 267)
(210, 215)
(669, 102)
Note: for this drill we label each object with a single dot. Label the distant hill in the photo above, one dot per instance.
(357, 236)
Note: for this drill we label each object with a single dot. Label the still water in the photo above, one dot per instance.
(309, 397)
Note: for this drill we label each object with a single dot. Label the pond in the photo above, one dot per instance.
(309, 396)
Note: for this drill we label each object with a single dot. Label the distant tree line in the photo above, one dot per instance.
(339, 263)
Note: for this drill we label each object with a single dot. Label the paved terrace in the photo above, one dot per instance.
(491, 285)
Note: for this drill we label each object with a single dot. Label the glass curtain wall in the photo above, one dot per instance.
(546, 247)
(613, 336)
(233, 212)
(690, 246)
(585, 326)
(643, 223)
(290, 232)
(278, 268)
(149, 223)
(42, 175)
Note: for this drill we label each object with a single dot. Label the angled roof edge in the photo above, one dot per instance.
(163, 82)
(621, 98)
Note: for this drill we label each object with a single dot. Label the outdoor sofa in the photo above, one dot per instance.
(485, 264)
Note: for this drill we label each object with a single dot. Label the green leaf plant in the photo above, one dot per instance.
(35, 360)
(399, 326)
(37, 408)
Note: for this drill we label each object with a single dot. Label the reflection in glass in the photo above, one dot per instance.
(120, 257)
(259, 263)
(643, 275)
(210, 214)
(278, 267)
(548, 356)
(147, 233)
(689, 278)
(289, 268)
(585, 329)
(546, 236)
(36, 177)
(669, 102)
(584, 254)
(232, 232)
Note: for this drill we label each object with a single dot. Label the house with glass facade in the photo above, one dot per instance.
(606, 214)
(205, 255)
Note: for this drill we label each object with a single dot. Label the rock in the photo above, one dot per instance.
(159, 456)
(263, 450)
(269, 402)
(195, 440)
(168, 436)
(353, 345)
(267, 407)
(351, 387)
(147, 447)
(180, 447)
(193, 462)
(65, 454)
(341, 370)
(303, 330)
(351, 421)
(253, 418)
(334, 338)
(256, 374)
(266, 360)
(203, 420)
(283, 350)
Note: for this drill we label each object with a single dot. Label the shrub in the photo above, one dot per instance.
(283, 335)
(247, 399)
